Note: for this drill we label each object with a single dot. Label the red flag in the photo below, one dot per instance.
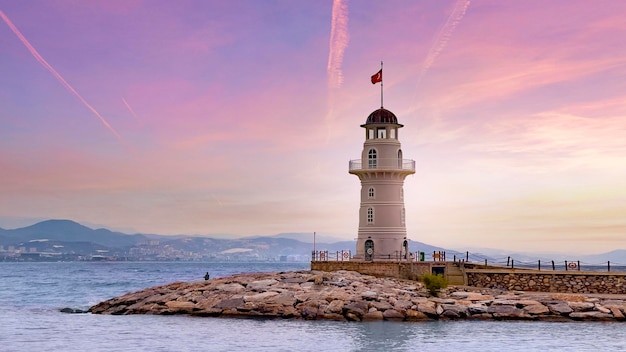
(378, 77)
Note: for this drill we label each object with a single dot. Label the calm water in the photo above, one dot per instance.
(32, 293)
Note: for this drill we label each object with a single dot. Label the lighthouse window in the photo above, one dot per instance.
(370, 192)
(370, 215)
(370, 133)
(392, 133)
(402, 216)
(371, 158)
(382, 133)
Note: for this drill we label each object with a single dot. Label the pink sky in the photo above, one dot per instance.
(240, 117)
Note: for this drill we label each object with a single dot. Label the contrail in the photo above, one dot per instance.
(132, 112)
(339, 38)
(443, 36)
(45, 64)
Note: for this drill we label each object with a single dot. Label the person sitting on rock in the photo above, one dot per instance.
(206, 276)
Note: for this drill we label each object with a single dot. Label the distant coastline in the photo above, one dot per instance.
(66, 240)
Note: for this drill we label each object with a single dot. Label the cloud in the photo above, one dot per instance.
(551, 141)
(339, 38)
(443, 36)
(58, 76)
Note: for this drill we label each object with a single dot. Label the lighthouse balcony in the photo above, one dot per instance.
(405, 165)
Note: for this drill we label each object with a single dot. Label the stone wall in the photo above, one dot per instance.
(400, 270)
(499, 278)
(547, 281)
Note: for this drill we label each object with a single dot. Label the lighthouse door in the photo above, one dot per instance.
(369, 250)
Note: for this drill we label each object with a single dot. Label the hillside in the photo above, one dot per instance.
(69, 240)
(68, 231)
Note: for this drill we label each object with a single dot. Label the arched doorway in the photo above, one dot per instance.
(369, 250)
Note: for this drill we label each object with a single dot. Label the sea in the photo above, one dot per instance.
(32, 295)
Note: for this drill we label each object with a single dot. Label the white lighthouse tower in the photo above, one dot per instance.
(382, 170)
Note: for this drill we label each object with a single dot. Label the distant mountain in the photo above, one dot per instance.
(616, 256)
(4, 236)
(66, 236)
(261, 246)
(307, 237)
(68, 231)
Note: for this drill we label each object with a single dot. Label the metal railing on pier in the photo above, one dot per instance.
(342, 255)
(478, 259)
(540, 264)
(336, 256)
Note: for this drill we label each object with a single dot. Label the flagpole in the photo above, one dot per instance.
(381, 85)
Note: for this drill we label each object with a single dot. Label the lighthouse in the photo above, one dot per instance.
(382, 170)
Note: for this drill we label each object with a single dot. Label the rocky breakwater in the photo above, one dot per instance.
(350, 296)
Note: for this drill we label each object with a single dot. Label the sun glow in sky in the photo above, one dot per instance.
(240, 117)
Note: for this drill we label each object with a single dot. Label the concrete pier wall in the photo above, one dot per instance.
(400, 270)
(501, 278)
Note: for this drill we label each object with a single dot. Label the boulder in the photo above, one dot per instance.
(392, 314)
(402, 305)
(581, 306)
(459, 310)
(335, 306)
(536, 309)
(429, 308)
(590, 316)
(369, 295)
(261, 285)
(560, 308)
(612, 303)
(414, 315)
(476, 309)
(72, 311)
(308, 310)
(504, 302)
(232, 288)
(260, 297)
(231, 303)
(617, 314)
(507, 312)
(284, 298)
(382, 305)
(602, 309)
(180, 306)
(356, 308)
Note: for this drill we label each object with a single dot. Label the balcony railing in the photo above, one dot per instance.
(382, 164)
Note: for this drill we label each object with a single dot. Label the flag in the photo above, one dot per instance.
(378, 77)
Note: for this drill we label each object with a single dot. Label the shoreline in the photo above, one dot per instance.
(350, 296)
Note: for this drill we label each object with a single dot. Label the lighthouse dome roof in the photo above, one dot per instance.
(382, 116)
